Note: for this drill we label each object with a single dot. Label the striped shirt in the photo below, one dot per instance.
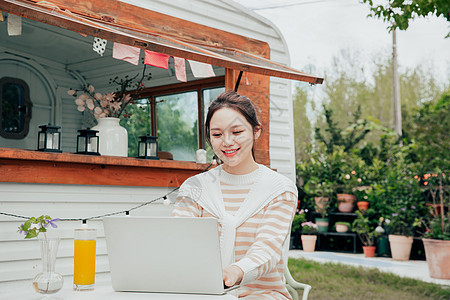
(259, 240)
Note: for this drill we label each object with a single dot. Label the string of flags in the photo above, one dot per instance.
(131, 54)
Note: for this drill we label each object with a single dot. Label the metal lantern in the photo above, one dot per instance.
(148, 147)
(49, 139)
(87, 142)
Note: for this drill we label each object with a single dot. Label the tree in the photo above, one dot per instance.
(399, 12)
(302, 124)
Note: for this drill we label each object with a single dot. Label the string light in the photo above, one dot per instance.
(166, 202)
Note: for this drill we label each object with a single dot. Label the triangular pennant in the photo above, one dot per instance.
(14, 25)
(127, 53)
(201, 70)
(180, 68)
(99, 45)
(156, 59)
(1, 16)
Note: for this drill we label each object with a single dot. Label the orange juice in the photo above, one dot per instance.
(84, 262)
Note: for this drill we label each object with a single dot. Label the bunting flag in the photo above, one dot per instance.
(99, 45)
(180, 68)
(1, 16)
(127, 53)
(156, 59)
(201, 70)
(14, 25)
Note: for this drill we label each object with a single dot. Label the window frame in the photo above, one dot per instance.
(177, 88)
(27, 106)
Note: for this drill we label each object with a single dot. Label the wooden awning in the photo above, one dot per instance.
(217, 56)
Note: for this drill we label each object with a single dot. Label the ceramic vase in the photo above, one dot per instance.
(437, 253)
(400, 246)
(113, 138)
(309, 242)
(48, 282)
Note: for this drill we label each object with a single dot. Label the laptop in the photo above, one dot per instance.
(164, 255)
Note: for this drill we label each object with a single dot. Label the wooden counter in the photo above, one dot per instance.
(28, 166)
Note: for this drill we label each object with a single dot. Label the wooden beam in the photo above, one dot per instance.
(26, 166)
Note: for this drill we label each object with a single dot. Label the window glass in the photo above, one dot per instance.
(15, 108)
(177, 122)
(208, 96)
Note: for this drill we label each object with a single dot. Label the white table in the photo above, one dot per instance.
(103, 291)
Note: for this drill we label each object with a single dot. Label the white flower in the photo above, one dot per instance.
(81, 108)
(347, 176)
(98, 110)
(91, 88)
(359, 180)
(98, 96)
(79, 101)
(90, 104)
(71, 92)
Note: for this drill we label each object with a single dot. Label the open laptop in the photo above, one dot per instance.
(162, 254)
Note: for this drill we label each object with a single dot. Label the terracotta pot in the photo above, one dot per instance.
(309, 243)
(369, 251)
(362, 205)
(400, 246)
(322, 224)
(341, 228)
(346, 202)
(321, 201)
(437, 253)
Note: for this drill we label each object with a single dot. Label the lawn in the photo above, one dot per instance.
(338, 281)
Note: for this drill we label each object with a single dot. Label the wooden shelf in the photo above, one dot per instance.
(28, 166)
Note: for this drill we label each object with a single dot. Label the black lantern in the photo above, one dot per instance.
(87, 142)
(49, 139)
(148, 147)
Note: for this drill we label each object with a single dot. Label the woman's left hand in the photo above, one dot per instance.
(232, 275)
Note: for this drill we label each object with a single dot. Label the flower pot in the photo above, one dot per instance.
(341, 228)
(369, 251)
(346, 202)
(437, 253)
(309, 243)
(321, 202)
(113, 138)
(362, 205)
(400, 246)
(322, 224)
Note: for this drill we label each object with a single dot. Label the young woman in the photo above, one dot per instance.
(253, 204)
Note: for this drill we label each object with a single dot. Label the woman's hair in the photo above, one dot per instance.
(232, 100)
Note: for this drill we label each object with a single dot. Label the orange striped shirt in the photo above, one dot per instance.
(259, 240)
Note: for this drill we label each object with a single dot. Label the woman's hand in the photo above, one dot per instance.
(232, 275)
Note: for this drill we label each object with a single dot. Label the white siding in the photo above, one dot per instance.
(20, 259)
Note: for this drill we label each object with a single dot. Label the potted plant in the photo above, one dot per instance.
(361, 193)
(320, 190)
(323, 221)
(366, 232)
(342, 226)
(437, 236)
(309, 236)
(346, 199)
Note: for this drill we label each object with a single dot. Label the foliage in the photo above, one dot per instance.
(349, 137)
(319, 188)
(33, 226)
(399, 12)
(309, 228)
(344, 223)
(299, 218)
(365, 228)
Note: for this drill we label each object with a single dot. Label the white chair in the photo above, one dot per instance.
(293, 286)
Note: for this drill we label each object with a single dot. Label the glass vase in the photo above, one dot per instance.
(48, 282)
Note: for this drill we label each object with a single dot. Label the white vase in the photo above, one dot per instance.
(113, 138)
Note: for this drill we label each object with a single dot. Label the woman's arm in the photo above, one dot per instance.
(265, 253)
(186, 207)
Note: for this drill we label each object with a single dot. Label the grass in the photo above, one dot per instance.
(338, 281)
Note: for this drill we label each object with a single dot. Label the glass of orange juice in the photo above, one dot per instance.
(84, 258)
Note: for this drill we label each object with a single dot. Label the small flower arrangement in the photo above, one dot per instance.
(309, 228)
(109, 104)
(33, 226)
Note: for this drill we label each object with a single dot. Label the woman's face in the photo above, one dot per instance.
(232, 138)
